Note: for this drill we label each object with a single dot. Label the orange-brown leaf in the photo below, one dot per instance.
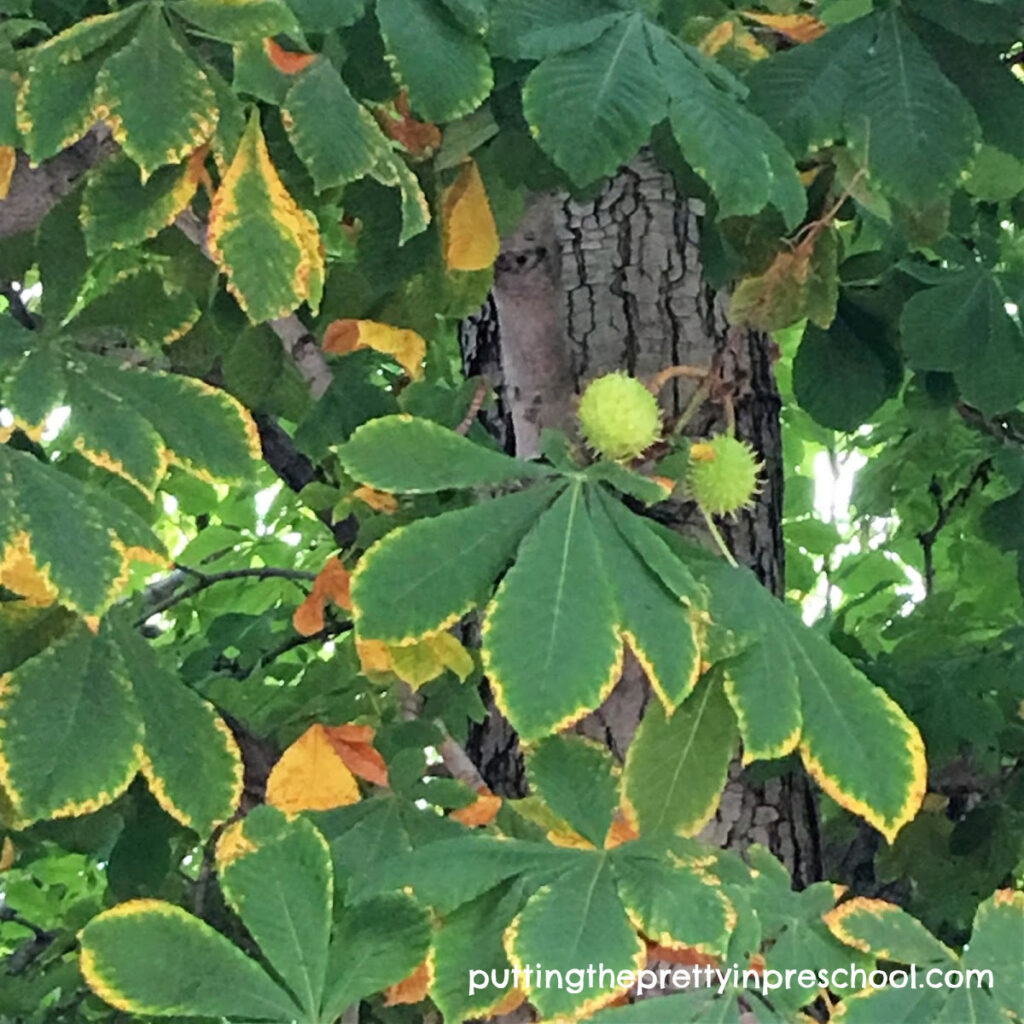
(470, 235)
(310, 776)
(413, 989)
(287, 61)
(421, 139)
(481, 811)
(686, 955)
(332, 584)
(406, 347)
(798, 28)
(379, 501)
(622, 831)
(8, 158)
(354, 745)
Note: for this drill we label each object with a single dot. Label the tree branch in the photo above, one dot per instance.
(34, 191)
(208, 580)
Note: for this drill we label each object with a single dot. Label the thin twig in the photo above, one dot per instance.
(659, 380)
(209, 579)
(474, 407)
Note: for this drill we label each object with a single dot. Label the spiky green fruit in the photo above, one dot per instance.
(723, 474)
(619, 417)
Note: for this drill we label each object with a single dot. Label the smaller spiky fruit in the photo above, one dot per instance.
(619, 417)
(723, 474)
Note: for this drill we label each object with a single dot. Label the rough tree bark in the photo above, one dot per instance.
(616, 283)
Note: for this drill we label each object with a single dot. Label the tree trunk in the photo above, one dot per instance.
(583, 288)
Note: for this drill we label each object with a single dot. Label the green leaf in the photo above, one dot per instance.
(423, 577)
(914, 125)
(533, 29)
(119, 211)
(448, 873)
(963, 327)
(742, 160)
(472, 15)
(841, 376)
(470, 939)
(276, 875)
(578, 780)
(556, 594)
(447, 72)
(591, 109)
(125, 960)
(70, 736)
(673, 904)
(376, 943)
(887, 932)
(40, 508)
(236, 21)
(410, 455)
(676, 767)
(654, 620)
(9, 135)
(622, 479)
(576, 920)
(336, 137)
(802, 92)
(393, 171)
(63, 261)
(324, 15)
(35, 387)
(268, 247)
(160, 103)
(55, 103)
(995, 940)
(191, 760)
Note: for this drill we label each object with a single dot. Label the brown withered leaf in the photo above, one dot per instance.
(331, 584)
(354, 745)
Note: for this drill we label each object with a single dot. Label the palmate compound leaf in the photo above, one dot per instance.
(40, 508)
(336, 137)
(445, 69)
(422, 578)
(159, 103)
(676, 767)
(267, 246)
(276, 874)
(557, 594)
(800, 692)
(409, 455)
(591, 108)
(152, 958)
(71, 734)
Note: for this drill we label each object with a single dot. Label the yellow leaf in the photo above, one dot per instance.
(416, 664)
(374, 655)
(718, 37)
(8, 854)
(379, 501)
(470, 235)
(406, 347)
(8, 158)
(450, 652)
(799, 28)
(310, 776)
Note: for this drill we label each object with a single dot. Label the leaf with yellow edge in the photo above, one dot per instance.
(798, 28)
(158, 101)
(406, 347)
(8, 158)
(259, 237)
(310, 776)
(470, 235)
